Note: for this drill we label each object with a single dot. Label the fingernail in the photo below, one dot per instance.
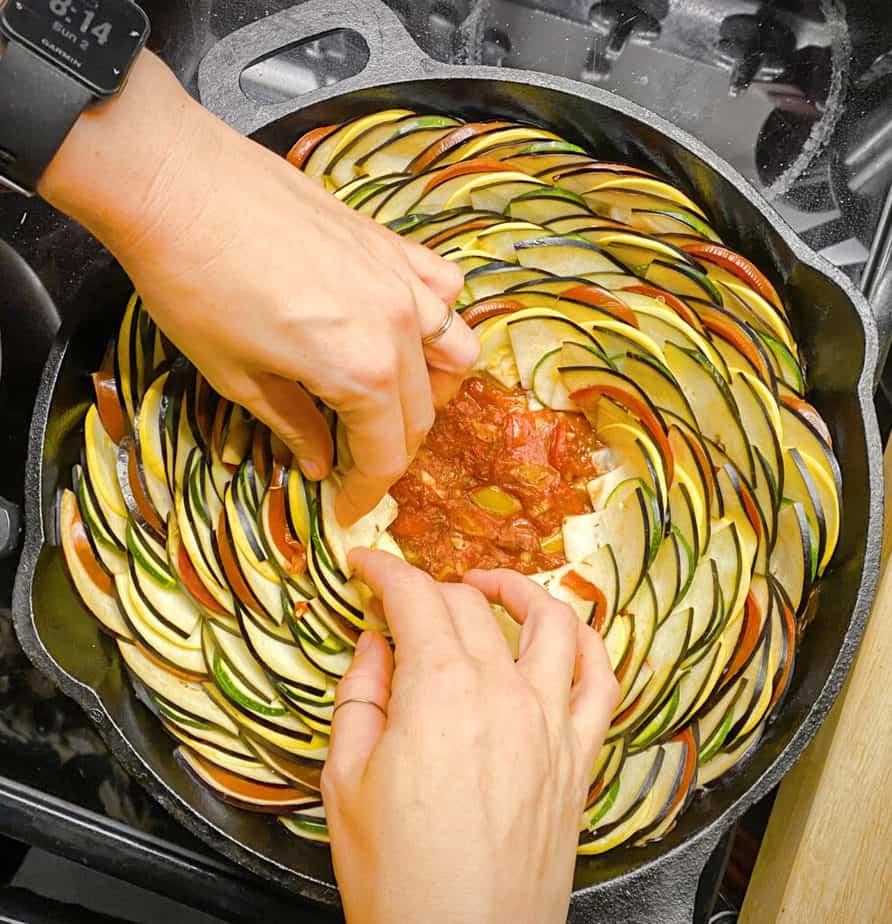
(363, 644)
(313, 470)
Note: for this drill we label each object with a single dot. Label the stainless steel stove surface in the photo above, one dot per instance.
(797, 95)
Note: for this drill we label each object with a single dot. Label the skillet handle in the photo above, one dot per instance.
(661, 893)
(392, 54)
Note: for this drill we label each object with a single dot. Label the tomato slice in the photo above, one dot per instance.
(586, 590)
(602, 298)
(725, 327)
(669, 300)
(218, 434)
(204, 407)
(140, 497)
(289, 547)
(688, 774)
(457, 229)
(588, 398)
(466, 167)
(804, 409)
(108, 404)
(458, 134)
(80, 541)
(165, 666)
(239, 787)
(306, 144)
(629, 710)
(260, 452)
(790, 654)
(751, 510)
(231, 568)
(750, 633)
(491, 308)
(192, 582)
(737, 265)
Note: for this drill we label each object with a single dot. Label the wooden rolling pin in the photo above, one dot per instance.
(827, 854)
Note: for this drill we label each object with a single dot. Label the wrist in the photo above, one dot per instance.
(116, 171)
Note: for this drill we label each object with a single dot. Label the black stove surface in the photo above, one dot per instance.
(797, 95)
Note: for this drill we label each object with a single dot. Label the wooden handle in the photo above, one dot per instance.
(827, 854)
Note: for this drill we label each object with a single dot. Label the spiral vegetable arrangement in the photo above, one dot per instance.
(601, 294)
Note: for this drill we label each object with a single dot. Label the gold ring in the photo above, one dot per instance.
(359, 699)
(441, 330)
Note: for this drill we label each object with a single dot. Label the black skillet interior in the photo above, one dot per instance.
(836, 334)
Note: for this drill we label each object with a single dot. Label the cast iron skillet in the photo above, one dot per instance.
(832, 322)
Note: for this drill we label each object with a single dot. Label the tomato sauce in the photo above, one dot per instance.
(492, 484)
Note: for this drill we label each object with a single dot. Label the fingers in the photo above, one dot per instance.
(474, 623)
(595, 692)
(415, 385)
(290, 413)
(417, 615)
(456, 350)
(444, 279)
(377, 440)
(444, 387)
(548, 639)
(357, 727)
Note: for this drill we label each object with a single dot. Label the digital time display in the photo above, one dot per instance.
(94, 40)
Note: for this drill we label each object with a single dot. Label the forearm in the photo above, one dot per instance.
(122, 166)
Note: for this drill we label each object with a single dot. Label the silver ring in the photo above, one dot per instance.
(359, 699)
(441, 330)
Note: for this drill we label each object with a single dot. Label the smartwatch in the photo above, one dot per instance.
(58, 57)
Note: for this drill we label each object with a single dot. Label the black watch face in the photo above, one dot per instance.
(94, 40)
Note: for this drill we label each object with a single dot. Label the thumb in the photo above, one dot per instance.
(357, 724)
(289, 412)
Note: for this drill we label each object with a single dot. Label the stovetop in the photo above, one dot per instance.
(797, 95)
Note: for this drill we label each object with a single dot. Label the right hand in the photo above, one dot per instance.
(267, 283)
(463, 804)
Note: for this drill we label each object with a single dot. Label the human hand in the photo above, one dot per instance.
(464, 803)
(271, 286)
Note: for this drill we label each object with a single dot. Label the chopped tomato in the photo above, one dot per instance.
(488, 438)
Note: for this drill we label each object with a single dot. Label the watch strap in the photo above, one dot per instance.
(39, 105)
